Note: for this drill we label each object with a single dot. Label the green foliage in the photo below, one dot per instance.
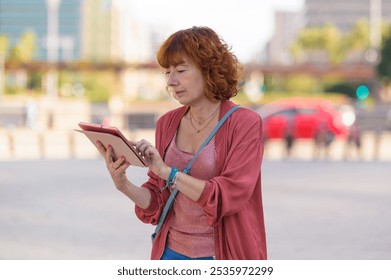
(329, 39)
(358, 37)
(25, 48)
(306, 85)
(347, 89)
(300, 83)
(326, 38)
(23, 51)
(274, 83)
(98, 86)
(275, 95)
(293, 83)
(386, 31)
(34, 81)
(4, 44)
(384, 67)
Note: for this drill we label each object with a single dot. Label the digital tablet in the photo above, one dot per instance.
(114, 137)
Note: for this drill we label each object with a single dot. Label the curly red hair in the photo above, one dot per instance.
(219, 66)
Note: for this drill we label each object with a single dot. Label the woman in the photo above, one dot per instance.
(218, 211)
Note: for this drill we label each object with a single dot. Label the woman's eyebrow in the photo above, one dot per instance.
(183, 64)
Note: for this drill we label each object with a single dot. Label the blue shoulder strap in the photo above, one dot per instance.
(186, 170)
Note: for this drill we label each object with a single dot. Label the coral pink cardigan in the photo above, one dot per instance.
(232, 200)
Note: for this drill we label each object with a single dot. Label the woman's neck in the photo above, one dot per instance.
(203, 112)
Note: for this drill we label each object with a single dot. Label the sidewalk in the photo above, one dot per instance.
(69, 209)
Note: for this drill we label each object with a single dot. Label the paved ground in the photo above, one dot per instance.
(68, 209)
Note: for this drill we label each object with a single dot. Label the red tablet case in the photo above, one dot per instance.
(112, 136)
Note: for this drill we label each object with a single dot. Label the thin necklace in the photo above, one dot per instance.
(198, 130)
(201, 122)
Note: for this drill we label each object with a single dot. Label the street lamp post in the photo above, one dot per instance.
(3, 48)
(52, 47)
(2, 74)
(373, 54)
(375, 23)
(375, 19)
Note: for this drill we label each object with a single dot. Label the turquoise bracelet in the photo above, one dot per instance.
(170, 180)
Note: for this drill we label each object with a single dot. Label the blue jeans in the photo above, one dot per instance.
(169, 254)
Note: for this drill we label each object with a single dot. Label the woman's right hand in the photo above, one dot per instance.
(117, 169)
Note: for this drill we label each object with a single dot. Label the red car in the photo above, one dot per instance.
(305, 118)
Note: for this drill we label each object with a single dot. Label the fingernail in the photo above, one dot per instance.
(98, 142)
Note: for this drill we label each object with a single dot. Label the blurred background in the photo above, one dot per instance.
(318, 72)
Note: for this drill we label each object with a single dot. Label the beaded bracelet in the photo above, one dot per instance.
(173, 186)
(171, 178)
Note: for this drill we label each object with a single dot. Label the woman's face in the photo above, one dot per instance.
(186, 82)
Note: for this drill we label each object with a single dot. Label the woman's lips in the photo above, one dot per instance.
(178, 93)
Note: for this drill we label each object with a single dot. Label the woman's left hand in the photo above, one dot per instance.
(152, 158)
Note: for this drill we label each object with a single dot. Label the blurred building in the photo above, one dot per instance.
(89, 30)
(287, 25)
(96, 30)
(20, 16)
(132, 41)
(343, 14)
(110, 32)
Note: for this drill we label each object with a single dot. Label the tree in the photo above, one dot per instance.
(358, 37)
(331, 41)
(384, 66)
(3, 44)
(3, 52)
(25, 48)
(325, 38)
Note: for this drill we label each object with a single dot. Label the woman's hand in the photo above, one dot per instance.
(152, 158)
(117, 169)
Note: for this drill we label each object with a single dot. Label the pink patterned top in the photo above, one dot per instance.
(189, 233)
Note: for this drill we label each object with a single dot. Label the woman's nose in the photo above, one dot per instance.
(171, 79)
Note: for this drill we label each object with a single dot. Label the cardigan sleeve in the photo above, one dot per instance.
(151, 214)
(231, 190)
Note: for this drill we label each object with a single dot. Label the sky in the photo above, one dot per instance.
(245, 25)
